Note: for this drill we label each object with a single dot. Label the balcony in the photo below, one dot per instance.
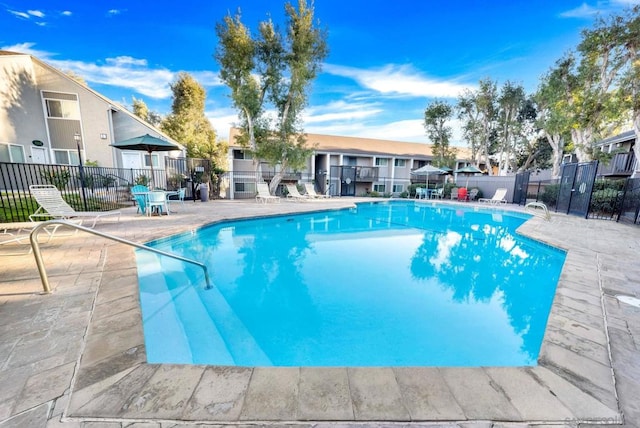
(366, 174)
(621, 165)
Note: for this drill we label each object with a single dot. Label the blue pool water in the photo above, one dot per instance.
(385, 284)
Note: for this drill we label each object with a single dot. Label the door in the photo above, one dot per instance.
(131, 160)
(521, 187)
(348, 181)
(38, 155)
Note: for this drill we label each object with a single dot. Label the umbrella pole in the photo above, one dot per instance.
(153, 180)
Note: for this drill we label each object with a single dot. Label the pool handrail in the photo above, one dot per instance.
(35, 245)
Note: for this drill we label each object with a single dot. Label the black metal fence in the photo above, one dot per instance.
(617, 200)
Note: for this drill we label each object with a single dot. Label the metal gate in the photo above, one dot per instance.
(576, 185)
(348, 181)
(521, 187)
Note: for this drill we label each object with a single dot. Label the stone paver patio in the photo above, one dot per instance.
(76, 358)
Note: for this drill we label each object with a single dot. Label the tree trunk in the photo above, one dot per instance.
(636, 146)
(277, 178)
(556, 143)
(581, 140)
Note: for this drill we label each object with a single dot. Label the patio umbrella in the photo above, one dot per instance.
(468, 170)
(426, 171)
(149, 144)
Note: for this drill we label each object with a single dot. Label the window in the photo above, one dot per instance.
(240, 187)
(147, 160)
(382, 161)
(11, 153)
(350, 160)
(62, 109)
(66, 157)
(241, 154)
(380, 188)
(401, 163)
(399, 188)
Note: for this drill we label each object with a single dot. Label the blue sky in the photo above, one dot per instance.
(387, 60)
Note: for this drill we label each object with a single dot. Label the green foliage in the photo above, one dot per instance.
(404, 194)
(142, 180)
(550, 194)
(189, 125)
(436, 116)
(272, 71)
(60, 178)
(606, 201)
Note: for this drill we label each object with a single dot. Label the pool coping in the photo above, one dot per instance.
(573, 381)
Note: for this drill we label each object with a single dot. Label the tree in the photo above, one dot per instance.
(478, 109)
(510, 119)
(630, 82)
(75, 76)
(436, 116)
(553, 98)
(593, 105)
(141, 110)
(272, 71)
(188, 124)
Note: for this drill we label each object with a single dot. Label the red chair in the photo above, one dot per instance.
(462, 194)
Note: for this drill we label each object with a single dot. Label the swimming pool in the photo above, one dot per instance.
(384, 284)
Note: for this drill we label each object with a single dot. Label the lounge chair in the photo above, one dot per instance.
(473, 194)
(311, 191)
(263, 194)
(53, 206)
(293, 193)
(454, 193)
(497, 198)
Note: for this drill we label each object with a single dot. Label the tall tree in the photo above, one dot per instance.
(436, 116)
(601, 58)
(630, 82)
(273, 71)
(141, 110)
(478, 110)
(511, 103)
(188, 124)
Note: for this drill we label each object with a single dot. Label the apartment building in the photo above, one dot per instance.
(343, 166)
(47, 117)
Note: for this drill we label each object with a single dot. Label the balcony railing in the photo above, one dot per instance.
(621, 164)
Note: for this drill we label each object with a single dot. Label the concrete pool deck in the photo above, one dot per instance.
(76, 357)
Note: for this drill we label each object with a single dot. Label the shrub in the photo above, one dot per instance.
(404, 194)
(550, 194)
(606, 201)
(60, 179)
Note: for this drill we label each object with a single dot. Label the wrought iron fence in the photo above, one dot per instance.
(87, 188)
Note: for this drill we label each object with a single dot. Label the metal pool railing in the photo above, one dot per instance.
(33, 238)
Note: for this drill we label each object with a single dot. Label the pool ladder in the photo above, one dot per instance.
(35, 245)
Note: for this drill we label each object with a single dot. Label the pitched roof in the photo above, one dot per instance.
(366, 146)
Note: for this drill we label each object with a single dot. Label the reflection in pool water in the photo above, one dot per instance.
(387, 284)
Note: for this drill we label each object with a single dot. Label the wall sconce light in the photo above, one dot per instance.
(103, 136)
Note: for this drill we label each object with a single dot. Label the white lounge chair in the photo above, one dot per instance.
(497, 198)
(53, 206)
(293, 193)
(311, 191)
(263, 194)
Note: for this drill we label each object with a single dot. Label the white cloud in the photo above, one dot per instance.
(340, 111)
(66, 13)
(399, 80)
(19, 14)
(113, 12)
(601, 7)
(207, 78)
(37, 13)
(222, 121)
(582, 11)
(26, 48)
(126, 60)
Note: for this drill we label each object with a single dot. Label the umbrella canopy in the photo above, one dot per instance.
(147, 143)
(468, 170)
(426, 171)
